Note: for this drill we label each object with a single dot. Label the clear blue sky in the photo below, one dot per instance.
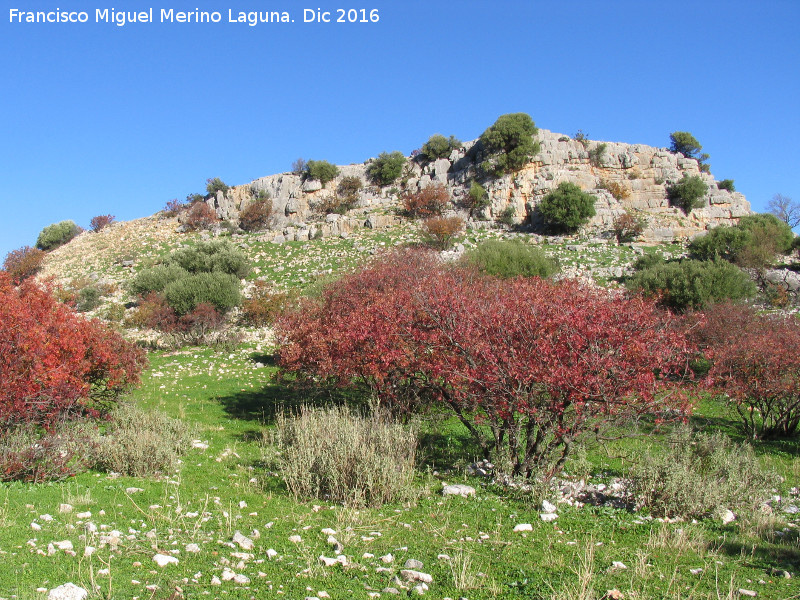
(100, 119)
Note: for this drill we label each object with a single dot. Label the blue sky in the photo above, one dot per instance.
(100, 119)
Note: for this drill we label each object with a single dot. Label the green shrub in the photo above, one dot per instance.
(753, 243)
(155, 279)
(207, 257)
(218, 289)
(321, 170)
(683, 142)
(597, 154)
(478, 197)
(266, 304)
(506, 259)
(439, 146)
(509, 143)
(693, 284)
(726, 184)
(688, 193)
(335, 455)
(647, 261)
(88, 298)
(386, 168)
(567, 208)
(141, 443)
(507, 216)
(56, 235)
(214, 185)
(697, 475)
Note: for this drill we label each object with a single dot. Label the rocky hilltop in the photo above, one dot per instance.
(629, 178)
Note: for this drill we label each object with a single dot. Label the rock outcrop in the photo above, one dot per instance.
(630, 178)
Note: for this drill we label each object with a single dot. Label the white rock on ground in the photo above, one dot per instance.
(523, 527)
(548, 517)
(68, 591)
(245, 543)
(458, 489)
(412, 575)
(162, 560)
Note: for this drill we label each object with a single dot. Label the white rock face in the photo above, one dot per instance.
(68, 591)
(638, 175)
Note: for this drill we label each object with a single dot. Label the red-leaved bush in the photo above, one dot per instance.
(526, 364)
(24, 262)
(54, 363)
(101, 221)
(428, 202)
(755, 360)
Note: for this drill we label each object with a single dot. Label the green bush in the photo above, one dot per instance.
(693, 284)
(506, 259)
(386, 168)
(321, 170)
(88, 298)
(597, 154)
(215, 185)
(567, 208)
(723, 242)
(688, 193)
(478, 197)
(726, 184)
(141, 443)
(647, 261)
(683, 142)
(697, 475)
(56, 235)
(753, 243)
(218, 289)
(340, 457)
(439, 146)
(207, 257)
(155, 279)
(509, 143)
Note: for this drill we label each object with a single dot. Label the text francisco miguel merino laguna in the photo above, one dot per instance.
(170, 15)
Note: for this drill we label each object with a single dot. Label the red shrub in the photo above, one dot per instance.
(756, 362)
(99, 222)
(202, 320)
(429, 202)
(256, 215)
(440, 231)
(200, 216)
(173, 207)
(526, 364)
(153, 312)
(24, 262)
(52, 360)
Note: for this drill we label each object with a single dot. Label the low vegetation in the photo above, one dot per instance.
(567, 208)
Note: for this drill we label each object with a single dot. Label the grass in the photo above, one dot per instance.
(467, 545)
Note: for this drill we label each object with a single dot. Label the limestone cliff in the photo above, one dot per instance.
(638, 176)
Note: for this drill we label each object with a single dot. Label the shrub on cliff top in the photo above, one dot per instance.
(56, 235)
(509, 143)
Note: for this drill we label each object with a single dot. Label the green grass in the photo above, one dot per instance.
(228, 398)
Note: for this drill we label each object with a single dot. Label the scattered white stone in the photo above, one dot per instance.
(618, 565)
(241, 579)
(89, 550)
(523, 527)
(744, 592)
(68, 591)
(387, 558)
(227, 574)
(547, 507)
(271, 553)
(328, 531)
(199, 444)
(63, 545)
(323, 594)
(35, 526)
(242, 504)
(458, 489)
(443, 557)
(295, 538)
(411, 575)
(162, 560)
(133, 490)
(420, 589)
(192, 548)
(104, 572)
(414, 564)
(84, 515)
(46, 518)
(696, 571)
(328, 562)
(548, 517)
(215, 580)
(726, 516)
(367, 555)
(245, 543)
